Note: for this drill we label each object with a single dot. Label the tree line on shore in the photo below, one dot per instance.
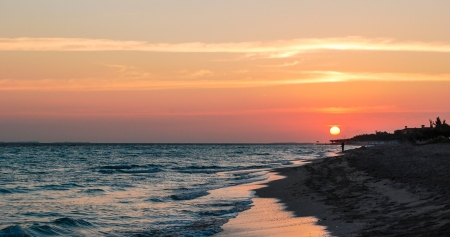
(439, 130)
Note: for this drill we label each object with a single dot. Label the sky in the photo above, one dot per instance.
(232, 71)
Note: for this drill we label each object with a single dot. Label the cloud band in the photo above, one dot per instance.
(281, 48)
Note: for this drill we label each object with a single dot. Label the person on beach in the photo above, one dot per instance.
(342, 145)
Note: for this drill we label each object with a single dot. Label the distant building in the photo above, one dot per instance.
(407, 130)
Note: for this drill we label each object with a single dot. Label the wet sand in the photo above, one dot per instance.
(389, 190)
(267, 217)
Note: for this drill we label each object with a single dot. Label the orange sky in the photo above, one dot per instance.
(197, 73)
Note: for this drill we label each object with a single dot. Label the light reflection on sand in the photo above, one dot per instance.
(267, 216)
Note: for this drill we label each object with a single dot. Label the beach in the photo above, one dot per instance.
(385, 190)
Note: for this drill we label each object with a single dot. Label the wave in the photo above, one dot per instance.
(189, 195)
(157, 199)
(46, 230)
(247, 202)
(42, 214)
(286, 162)
(252, 167)
(216, 169)
(62, 187)
(248, 174)
(58, 227)
(201, 169)
(243, 178)
(129, 169)
(204, 167)
(70, 222)
(118, 167)
(14, 231)
(233, 211)
(260, 154)
(5, 191)
(141, 171)
(94, 190)
(17, 189)
(203, 227)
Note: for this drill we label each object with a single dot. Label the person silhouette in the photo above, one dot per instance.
(342, 145)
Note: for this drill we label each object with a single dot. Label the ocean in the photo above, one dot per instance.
(133, 189)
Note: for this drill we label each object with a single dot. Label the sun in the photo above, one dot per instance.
(335, 130)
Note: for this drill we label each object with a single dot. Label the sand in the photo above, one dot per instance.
(388, 190)
(267, 217)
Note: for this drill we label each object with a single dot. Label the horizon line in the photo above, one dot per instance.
(153, 143)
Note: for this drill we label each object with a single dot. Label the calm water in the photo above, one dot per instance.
(132, 189)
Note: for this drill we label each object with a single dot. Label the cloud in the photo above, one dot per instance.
(372, 109)
(133, 82)
(282, 65)
(129, 72)
(343, 110)
(201, 73)
(368, 76)
(271, 49)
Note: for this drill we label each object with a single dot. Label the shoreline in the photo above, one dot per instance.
(386, 190)
(267, 216)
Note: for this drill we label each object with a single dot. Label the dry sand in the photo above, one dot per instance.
(389, 190)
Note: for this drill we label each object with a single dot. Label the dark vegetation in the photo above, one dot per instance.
(377, 136)
(438, 131)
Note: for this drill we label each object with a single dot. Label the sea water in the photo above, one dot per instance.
(132, 189)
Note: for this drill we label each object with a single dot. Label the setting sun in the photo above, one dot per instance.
(335, 130)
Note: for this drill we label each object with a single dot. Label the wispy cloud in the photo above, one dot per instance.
(131, 112)
(137, 83)
(282, 65)
(101, 84)
(275, 49)
(201, 73)
(129, 72)
(368, 76)
(370, 109)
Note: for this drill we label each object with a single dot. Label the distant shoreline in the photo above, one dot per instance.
(351, 143)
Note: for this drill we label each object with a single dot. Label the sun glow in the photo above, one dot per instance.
(335, 130)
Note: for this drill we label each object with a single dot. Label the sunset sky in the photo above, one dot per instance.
(220, 71)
